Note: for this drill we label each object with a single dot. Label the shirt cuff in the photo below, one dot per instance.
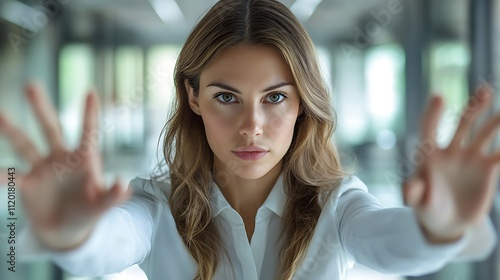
(432, 256)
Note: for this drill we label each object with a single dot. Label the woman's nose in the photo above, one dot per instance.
(252, 122)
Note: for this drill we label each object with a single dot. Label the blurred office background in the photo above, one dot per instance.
(382, 59)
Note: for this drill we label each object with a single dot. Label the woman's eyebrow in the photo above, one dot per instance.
(226, 87)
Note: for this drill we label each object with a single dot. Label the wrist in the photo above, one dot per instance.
(433, 238)
(63, 240)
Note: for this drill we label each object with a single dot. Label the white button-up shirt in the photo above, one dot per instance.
(353, 227)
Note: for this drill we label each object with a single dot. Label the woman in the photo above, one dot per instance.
(254, 188)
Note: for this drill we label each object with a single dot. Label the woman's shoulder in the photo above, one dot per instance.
(351, 183)
(346, 185)
(151, 187)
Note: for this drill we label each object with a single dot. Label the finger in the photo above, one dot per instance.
(89, 144)
(46, 115)
(476, 105)
(485, 134)
(90, 134)
(114, 196)
(430, 119)
(413, 192)
(495, 158)
(19, 141)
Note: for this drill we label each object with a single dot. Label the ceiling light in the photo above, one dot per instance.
(303, 9)
(168, 10)
(19, 14)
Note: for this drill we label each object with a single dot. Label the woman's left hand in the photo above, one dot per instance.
(454, 187)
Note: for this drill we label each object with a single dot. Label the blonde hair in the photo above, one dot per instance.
(310, 167)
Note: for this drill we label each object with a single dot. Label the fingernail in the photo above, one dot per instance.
(30, 90)
(484, 92)
(437, 99)
(2, 120)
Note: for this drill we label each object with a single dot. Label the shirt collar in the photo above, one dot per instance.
(275, 201)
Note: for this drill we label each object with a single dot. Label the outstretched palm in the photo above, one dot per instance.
(454, 187)
(63, 193)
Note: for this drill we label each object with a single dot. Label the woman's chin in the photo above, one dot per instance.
(249, 170)
(250, 173)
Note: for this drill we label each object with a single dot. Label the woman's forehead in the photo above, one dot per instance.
(248, 62)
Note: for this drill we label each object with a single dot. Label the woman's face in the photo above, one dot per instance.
(249, 105)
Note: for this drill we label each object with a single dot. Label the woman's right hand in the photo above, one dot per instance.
(63, 194)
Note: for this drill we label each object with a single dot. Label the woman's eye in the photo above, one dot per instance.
(225, 97)
(276, 97)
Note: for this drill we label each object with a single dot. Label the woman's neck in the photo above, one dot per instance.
(245, 195)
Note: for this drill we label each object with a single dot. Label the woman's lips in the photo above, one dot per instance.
(254, 155)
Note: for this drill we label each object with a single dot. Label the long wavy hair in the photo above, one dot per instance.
(310, 167)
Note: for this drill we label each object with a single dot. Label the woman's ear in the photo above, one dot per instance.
(301, 109)
(193, 100)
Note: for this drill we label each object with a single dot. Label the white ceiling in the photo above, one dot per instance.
(331, 19)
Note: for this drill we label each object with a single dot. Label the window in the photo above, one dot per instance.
(75, 79)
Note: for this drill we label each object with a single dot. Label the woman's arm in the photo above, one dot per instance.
(481, 241)
(121, 238)
(450, 195)
(81, 223)
(453, 187)
(391, 241)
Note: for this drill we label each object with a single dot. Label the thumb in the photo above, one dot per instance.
(413, 192)
(115, 195)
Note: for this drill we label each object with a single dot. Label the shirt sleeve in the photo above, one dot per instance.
(121, 238)
(480, 244)
(390, 240)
